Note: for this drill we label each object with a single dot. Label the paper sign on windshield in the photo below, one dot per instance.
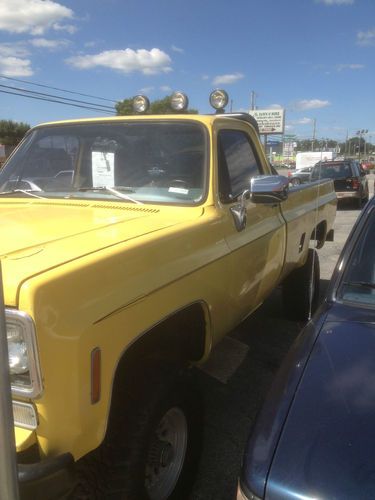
(103, 169)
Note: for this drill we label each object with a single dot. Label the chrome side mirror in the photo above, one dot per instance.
(269, 188)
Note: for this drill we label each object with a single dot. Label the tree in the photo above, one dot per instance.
(157, 107)
(124, 107)
(12, 132)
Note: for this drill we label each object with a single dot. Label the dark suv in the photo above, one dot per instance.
(349, 180)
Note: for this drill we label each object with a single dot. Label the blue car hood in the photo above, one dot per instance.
(327, 446)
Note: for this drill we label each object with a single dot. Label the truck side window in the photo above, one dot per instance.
(237, 163)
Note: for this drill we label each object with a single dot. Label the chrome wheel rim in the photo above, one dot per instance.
(166, 454)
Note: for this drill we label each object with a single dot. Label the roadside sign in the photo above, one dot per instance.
(288, 149)
(270, 121)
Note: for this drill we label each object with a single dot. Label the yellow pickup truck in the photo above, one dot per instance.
(130, 246)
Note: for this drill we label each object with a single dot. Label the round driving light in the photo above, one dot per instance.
(219, 99)
(140, 104)
(179, 101)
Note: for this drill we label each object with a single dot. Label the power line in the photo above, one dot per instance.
(56, 88)
(63, 99)
(57, 101)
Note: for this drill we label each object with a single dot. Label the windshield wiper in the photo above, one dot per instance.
(363, 284)
(116, 191)
(28, 192)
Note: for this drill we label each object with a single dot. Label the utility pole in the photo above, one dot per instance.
(313, 138)
(346, 143)
(252, 99)
(360, 133)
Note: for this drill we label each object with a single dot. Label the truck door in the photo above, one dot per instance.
(257, 248)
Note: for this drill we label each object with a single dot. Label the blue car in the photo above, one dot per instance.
(315, 435)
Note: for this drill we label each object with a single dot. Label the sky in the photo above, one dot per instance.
(313, 58)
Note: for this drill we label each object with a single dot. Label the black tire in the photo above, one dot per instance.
(134, 463)
(295, 181)
(301, 289)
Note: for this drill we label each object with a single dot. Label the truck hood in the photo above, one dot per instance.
(38, 235)
(326, 447)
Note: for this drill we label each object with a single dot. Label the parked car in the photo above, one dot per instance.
(349, 180)
(300, 176)
(367, 165)
(315, 435)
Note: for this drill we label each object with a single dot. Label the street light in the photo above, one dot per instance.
(360, 133)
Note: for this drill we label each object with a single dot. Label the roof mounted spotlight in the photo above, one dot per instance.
(218, 100)
(141, 104)
(179, 101)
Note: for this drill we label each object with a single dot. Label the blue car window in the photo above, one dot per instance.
(358, 281)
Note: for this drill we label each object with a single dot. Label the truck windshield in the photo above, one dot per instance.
(149, 162)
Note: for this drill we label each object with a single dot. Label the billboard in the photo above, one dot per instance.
(270, 121)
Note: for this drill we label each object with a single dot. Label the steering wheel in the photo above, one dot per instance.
(179, 183)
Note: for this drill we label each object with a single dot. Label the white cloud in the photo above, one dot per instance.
(336, 2)
(205, 77)
(303, 121)
(89, 45)
(177, 49)
(341, 67)
(146, 90)
(13, 50)
(14, 61)
(32, 16)
(69, 28)
(227, 79)
(43, 43)
(14, 66)
(275, 106)
(148, 62)
(165, 88)
(366, 37)
(310, 104)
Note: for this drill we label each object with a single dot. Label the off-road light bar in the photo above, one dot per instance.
(219, 99)
(179, 101)
(141, 104)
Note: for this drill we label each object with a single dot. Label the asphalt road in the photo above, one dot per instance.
(238, 376)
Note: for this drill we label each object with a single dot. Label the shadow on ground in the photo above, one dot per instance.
(231, 407)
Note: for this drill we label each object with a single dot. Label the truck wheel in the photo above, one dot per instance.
(301, 289)
(296, 181)
(152, 448)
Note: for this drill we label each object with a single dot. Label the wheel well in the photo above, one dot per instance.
(170, 344)
(319, 234)
(177, 339)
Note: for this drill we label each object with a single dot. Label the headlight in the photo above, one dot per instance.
(23, 355)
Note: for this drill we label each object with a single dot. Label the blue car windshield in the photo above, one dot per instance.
(135, 161)
(358, 281)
